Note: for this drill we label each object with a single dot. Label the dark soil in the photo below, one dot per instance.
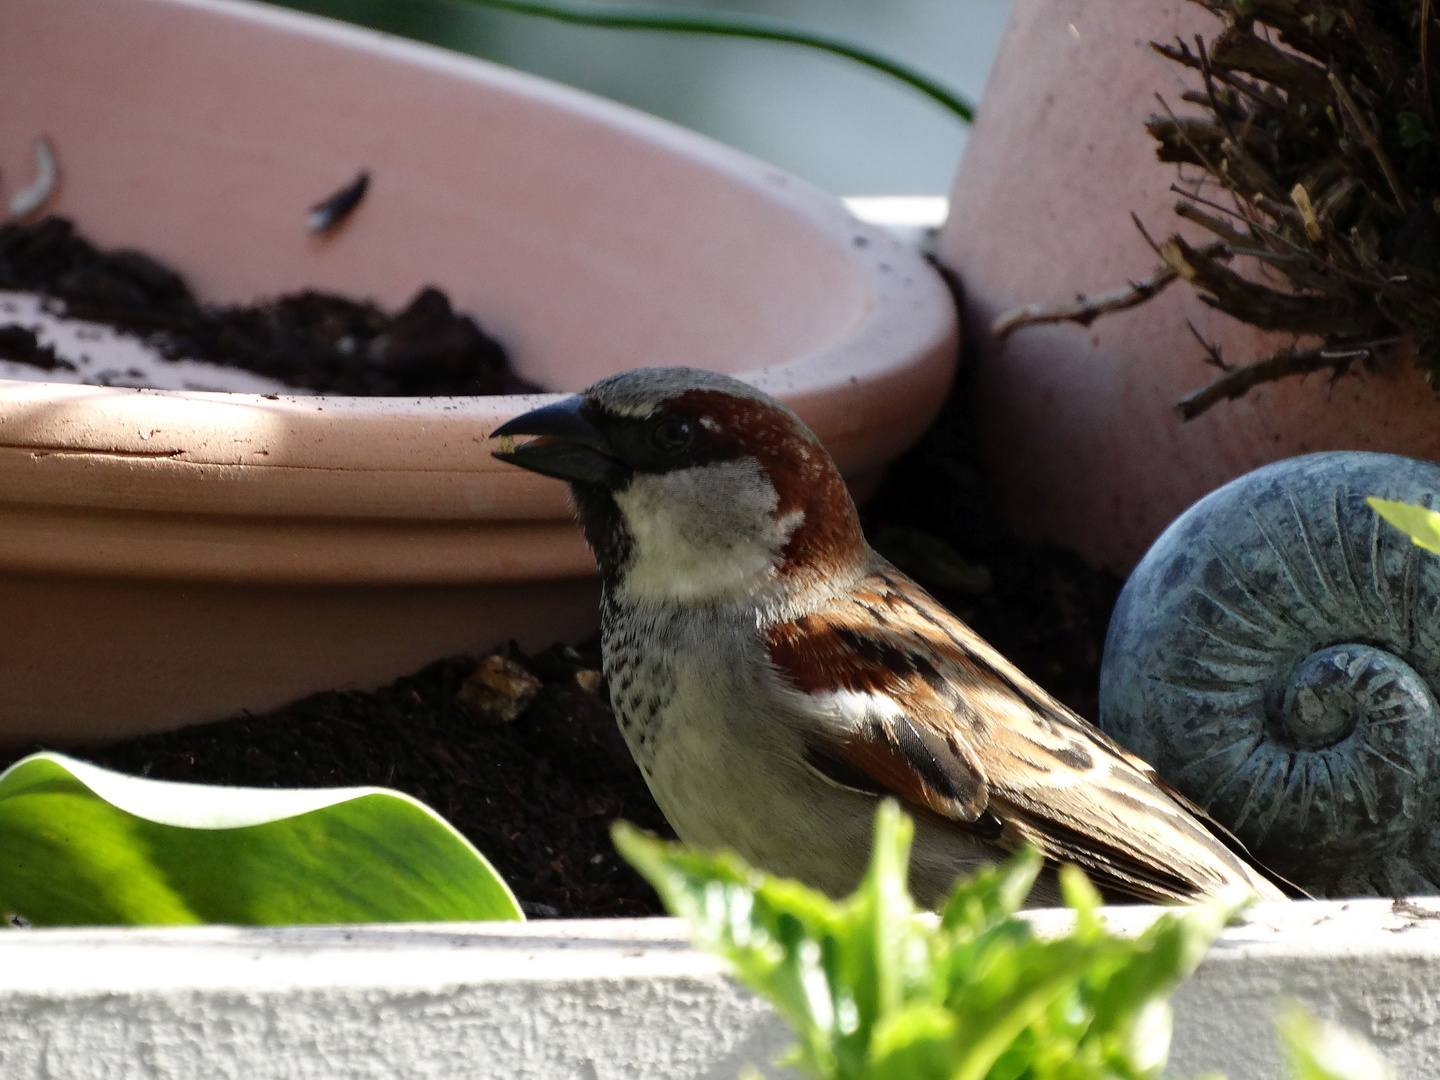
(537, 794)
(309, 340)
(21, 345)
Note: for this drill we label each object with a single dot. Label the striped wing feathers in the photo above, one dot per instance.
(948, 725)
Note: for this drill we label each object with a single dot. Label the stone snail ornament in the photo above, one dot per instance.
(1276, 656)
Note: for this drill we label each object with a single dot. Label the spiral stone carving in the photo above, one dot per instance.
(1276, 657)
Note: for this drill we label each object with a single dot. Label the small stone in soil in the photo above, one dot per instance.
(498, 690)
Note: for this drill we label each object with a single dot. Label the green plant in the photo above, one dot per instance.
(82, 845)
(876, 991)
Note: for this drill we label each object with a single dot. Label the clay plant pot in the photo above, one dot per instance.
(1077, 423)
(170, 557)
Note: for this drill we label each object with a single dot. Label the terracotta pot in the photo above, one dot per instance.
(1077, 423)
(168, 557)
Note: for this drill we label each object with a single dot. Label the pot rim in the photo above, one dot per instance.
(186, 459)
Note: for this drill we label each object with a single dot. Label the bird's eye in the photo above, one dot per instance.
(672, 435)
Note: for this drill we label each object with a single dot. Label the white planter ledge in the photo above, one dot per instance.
(599, 1000)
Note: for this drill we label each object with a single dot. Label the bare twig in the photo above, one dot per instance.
(1140, 225)
(1260, 179)
(1236, 381)
(1334, 201)
(1252, 222)
(1301, 198)
(1241, 242)
(1259, 305)
(1289, 95)
(1362, 129)
(1280, 211)
(1208, 75)
(1240, 50)
(1256, 223)
(1256, 92)
(1183, 132)
(1176, 135)
(1213, 356)
(1086, 309)
(1279, 237)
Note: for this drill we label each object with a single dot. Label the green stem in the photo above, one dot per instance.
(625, 17)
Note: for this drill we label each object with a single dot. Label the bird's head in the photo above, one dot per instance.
(692, 486)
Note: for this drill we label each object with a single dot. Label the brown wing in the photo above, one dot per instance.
(961, 734)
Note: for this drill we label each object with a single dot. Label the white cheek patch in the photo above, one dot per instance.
(703, 534)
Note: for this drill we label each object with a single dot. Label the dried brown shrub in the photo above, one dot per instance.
(1315, 162)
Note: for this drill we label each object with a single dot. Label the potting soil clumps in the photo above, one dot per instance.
(310, 340)
(532, 773)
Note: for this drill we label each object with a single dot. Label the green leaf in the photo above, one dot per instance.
(832, 970)
(663, 18)
(1318, 1050)
(876, 992)
(85, 846)
(991, 895)
(1422, 525)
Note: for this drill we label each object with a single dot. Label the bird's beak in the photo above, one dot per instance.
(569, 448)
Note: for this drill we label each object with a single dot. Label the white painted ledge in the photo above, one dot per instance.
(598, 1000)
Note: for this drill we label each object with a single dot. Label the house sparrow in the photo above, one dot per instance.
(774, 676)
